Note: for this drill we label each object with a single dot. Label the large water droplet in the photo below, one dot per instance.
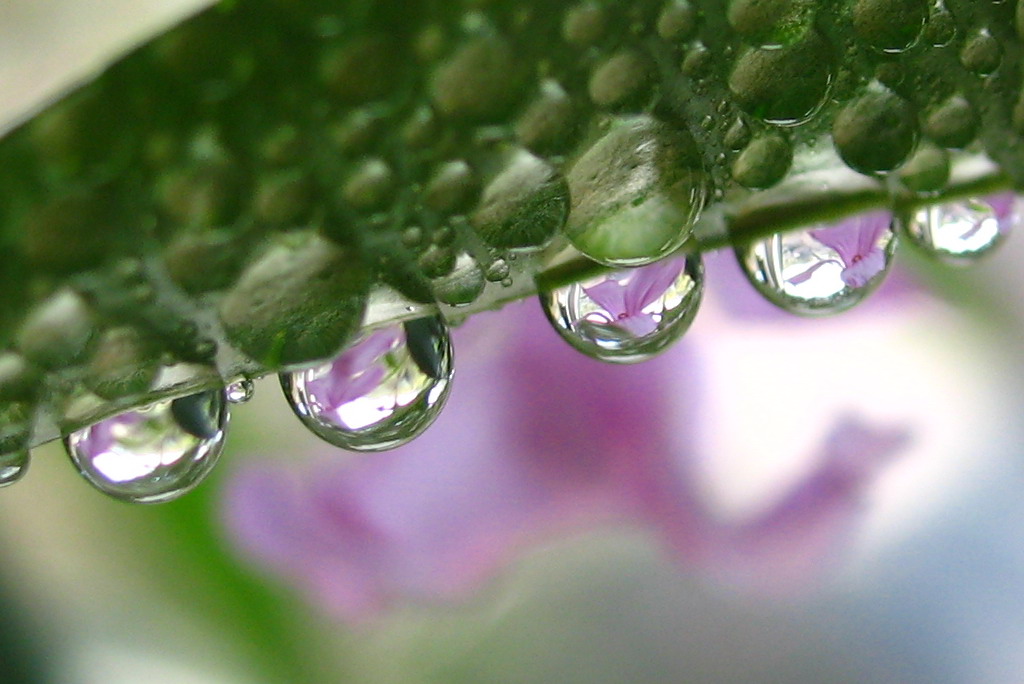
(154, 454)
(381, 392)
(960, 232)
(825, 269)
(631, 315)
(13, 467)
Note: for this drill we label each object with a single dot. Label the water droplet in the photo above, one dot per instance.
(786, 86)
(636, 193)
(497, 271)
(960, 232)
(13, 467)
(825, 269)
(631, 315)
(876, 132)
(381, 392)
(241, 391)
(154, 454)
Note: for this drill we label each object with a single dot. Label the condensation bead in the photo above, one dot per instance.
(524, 205)
(19, 380)
(497, 271)
(59, 236)
(436, 261)
(15, 425)
(122, 364)
(356, 131)
(928, 170)
(784, 86)
(584, 24)
(764, 162)
(876, 132)
(283, 198)
(954, 123)
(13, 467)
(480, 81)
(889, 25)
(58, 331)
(203, 194)
(940, 29)
(361, 70)
(981, 53)
(771, 22)
(452, 187)
(463, 285)
(697, 62)
(636, 193)
(370, 186)
(548, 122)
(204, 261)
(738, 135)
(621, 80)
(298, 302)
(677, 21)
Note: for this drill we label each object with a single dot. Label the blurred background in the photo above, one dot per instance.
(923, 584)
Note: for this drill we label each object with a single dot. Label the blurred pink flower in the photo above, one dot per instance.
(855, 240)
(537, 440)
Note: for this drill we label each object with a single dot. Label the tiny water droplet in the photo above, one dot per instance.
(960, 232)
(381, 392)
(825, 269)
(631, 315)
(13, 467)
(241, 391)
(497, 271)
(154, 454)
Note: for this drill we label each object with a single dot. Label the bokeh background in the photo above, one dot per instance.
(926, 587)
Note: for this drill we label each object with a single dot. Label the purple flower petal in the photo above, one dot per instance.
(609, 295)
(649, 283)
(805, 529)
(537, 440)
(862, 271)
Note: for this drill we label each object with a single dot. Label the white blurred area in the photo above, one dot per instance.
(47, 46)
(934, 593)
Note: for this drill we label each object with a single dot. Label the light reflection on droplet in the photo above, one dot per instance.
(631, 315)
(241, 391)
(381, 392)
(824, 269)
(963, 231)
(13, 467)
(154, 454)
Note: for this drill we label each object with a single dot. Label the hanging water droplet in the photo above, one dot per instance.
(628, 316)
(825, 269)
(960, 232)
(154, 454)
(241, 391)
(381, 392)
(13, 467)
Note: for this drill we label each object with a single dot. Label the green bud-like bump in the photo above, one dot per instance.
(524, 204)
(57, 332)
(299, 302)
(876, 132)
